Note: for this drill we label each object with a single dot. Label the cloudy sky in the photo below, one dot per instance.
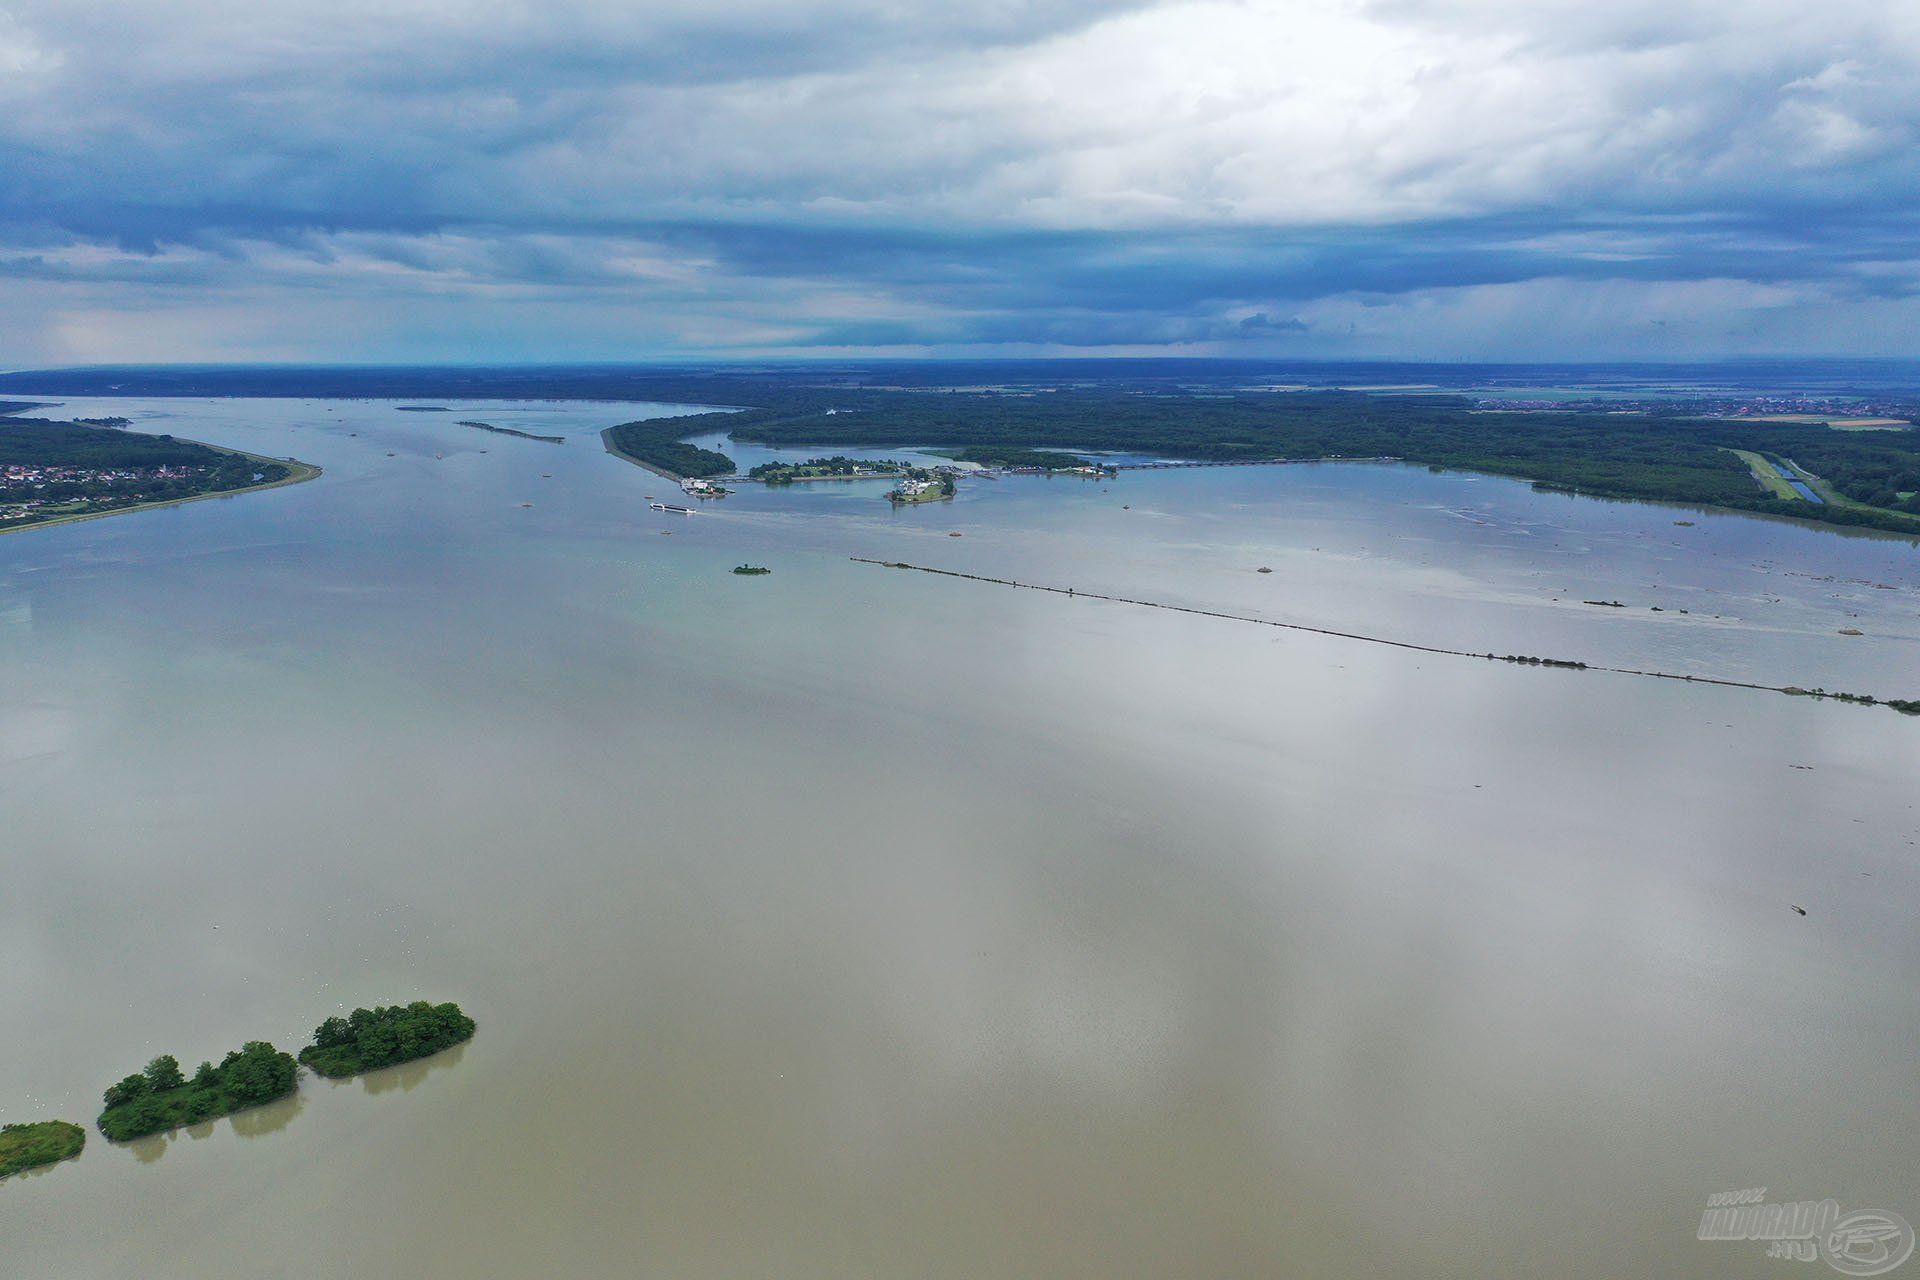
(592, 179)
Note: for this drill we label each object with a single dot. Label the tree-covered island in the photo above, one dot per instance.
(922, 485)
(834, 468)
(368, 1039)
(27, 1146)
(161, 1097)
(54, 471)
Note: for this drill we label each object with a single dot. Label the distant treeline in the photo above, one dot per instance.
(1606, 455)
(1010, 456)
(708, 383)
(1194, 410)
(1660, 459)
(36, 442)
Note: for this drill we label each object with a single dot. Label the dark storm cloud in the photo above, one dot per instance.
(1417, 175)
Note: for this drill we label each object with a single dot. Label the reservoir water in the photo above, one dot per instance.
(1794, 482)
(853, 922)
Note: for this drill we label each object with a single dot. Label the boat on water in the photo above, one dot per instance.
(668, 506)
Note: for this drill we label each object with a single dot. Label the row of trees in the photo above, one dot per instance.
(657, 443)
(837, 465)
(161, 1097)
(368, 1039)
(1169, 409)
(1609, 455)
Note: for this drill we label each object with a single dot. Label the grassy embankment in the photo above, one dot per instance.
(1772, 481)
(1830, 494)
(1777, 486)
(28, 1146)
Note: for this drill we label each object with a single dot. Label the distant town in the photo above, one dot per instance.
(54, 471)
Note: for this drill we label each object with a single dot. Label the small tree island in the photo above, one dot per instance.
(835, 468)
(368, 1039)
(162, 1098)
(922, 485)
(27, 1146)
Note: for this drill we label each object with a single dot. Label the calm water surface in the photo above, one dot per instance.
(855, 922)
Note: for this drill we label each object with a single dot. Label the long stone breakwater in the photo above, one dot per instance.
(1906, 706)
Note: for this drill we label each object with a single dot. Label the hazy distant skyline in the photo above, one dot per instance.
(1416, 179)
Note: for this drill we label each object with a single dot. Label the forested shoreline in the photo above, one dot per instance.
(1167, 410)
(51, 471)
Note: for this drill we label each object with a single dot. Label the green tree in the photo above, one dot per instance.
(257, 1073)
(333, 1033)
(163, 1073)
(134, 1086)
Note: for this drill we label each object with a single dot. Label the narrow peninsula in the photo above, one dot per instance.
(57, 472)
(655, 443)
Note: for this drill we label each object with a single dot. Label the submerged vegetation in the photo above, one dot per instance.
(27, 1146)
(368, 1039)
(161, 1097)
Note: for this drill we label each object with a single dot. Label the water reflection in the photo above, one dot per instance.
(408, 1074)
(272, 1118)
(148, 1150)
(38, 1170)
(255, 1122)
